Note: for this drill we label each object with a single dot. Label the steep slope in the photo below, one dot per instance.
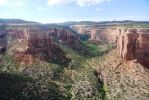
(98, 33)
(44, 80)
(134, 44)
(123, 80)
(29, 45)
(39, 42)
(105, 31)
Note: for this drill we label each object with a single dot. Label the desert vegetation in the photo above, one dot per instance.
(94, 70)
(45, 80)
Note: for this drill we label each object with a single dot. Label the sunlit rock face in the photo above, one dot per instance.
(134, 44)
(97, 33)
(143, 47)
(28, 45)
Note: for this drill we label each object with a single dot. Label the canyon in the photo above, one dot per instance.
(28, 45)
(54, 61)
(98, 33)
(132, 43)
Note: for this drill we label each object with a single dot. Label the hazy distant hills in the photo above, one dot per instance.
(70, 23)
(103, 22)
(16, 21)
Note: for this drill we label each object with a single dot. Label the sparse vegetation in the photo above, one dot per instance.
(44, 81)
(50, 81)
(135, 25)
(96, 49)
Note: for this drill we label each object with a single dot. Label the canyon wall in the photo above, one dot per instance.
(134, 44)
(68, 37)
(28, 45)
(98, 33)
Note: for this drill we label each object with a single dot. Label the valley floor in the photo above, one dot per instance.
(115, 79)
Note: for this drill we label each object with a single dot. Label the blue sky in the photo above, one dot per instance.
(49, 11)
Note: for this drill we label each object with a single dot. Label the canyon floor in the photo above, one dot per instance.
(105, 77)
(48, 81)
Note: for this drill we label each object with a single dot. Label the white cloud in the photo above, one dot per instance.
(17, 4)
(99, 9)
(89, 2)
(12, 3)
(78, 2)
(3, 2)
(59, 2)
(41, 8)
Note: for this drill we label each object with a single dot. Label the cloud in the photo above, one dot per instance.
(3, 2)
(41, 8)
(12, 3)
(78, 2)
(89, 2)
(59, 2)
(99, 9)
(17, 4)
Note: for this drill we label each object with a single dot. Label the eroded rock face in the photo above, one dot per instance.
(143, 47)
(64, 36)
(98, 33)
(134, 44)
(28, 45)
(67, 37)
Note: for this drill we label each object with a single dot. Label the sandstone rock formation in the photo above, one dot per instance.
(28, 45)
(98, 33)
(134, 44)
(66, 36)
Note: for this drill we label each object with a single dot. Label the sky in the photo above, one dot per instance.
(55, 11)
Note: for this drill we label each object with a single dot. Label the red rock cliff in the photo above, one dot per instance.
(67, 37)
(134, 44)
(30, 45)
(98, 33)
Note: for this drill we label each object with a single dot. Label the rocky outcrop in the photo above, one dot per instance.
(64, 36)
(98, 34)
(134, 44)
(67, 37)
(143, 47)
(28, 45)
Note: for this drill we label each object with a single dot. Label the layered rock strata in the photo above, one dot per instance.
(98, 34)
(28, 45)
(134, 44)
